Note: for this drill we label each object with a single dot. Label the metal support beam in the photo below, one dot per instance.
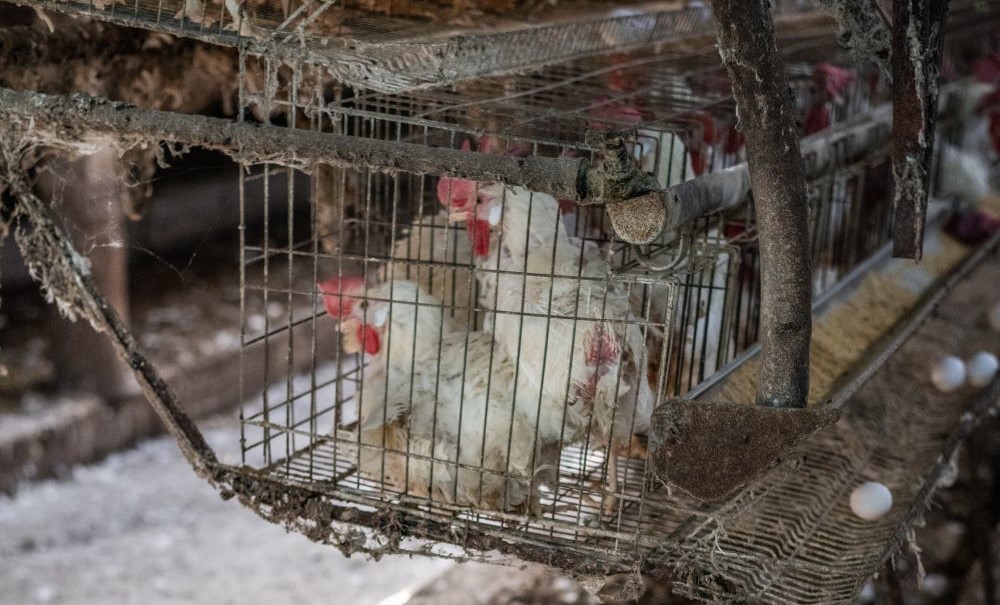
(918, 30)
(767, 117)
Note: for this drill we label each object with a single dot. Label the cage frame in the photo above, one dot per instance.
(315, 513)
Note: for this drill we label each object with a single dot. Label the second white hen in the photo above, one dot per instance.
(578, 347)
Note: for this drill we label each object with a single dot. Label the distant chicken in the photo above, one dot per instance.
(970, 117)
(969, 123)
(436, 402)
(831, 83)
(964, 176)
(578, 347)
(660, 152)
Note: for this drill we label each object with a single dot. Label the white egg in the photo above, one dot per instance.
(994, 318)
(871, 500)
(948, 373)
(982, 367)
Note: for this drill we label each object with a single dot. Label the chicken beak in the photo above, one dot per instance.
(350, 341)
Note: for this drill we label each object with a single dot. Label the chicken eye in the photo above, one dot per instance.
(363, 305)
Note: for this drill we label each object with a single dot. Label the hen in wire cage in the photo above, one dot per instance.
(501, 352)
(484, 359)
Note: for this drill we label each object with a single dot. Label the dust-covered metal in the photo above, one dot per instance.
(397, 52)
(918, 33)
(777, 176)
(864, 29)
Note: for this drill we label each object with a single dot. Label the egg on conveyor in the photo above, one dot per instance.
(981, 368)
(994, 318)
(871, 500)
(948, 373)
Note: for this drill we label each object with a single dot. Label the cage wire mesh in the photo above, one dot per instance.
(448, 327)
(393, 46)
(433, 313)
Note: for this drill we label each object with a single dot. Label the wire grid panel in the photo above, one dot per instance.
(431, 386)
(419, 315)
(394, 46)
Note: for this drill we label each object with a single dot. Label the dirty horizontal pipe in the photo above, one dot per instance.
(71, 121)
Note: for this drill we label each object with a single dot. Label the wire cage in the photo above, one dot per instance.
(393, 46)
(434, 300)
(483, 359)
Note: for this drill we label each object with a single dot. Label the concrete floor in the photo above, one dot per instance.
(141, 528)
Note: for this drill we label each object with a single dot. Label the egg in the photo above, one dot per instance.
(948, 373)
(871, 500)
(981, 368)
(994, 318)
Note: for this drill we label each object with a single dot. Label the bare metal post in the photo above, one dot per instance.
(767, 116)
(917, 33)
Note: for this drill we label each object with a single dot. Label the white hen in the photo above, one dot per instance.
(579, 349)
(437, 412)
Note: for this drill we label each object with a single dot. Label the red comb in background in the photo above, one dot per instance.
(454, 193)
(971, 227)
(832, 79)
(493, 144)
(340, 294)
(734, 140)
(699, 149)
(614, 111)
(987, 69)
(816, 119)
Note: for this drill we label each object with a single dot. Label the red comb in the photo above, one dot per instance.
(817, 119)
(833, 79)
(616, 111)
(340, 294)
(987, 69)
(699, 161)
(707, 125)
(455, 194)
(734, 140)
(699, 151)
(493, 144)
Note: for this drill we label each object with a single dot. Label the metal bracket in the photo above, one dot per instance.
(710, 450)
